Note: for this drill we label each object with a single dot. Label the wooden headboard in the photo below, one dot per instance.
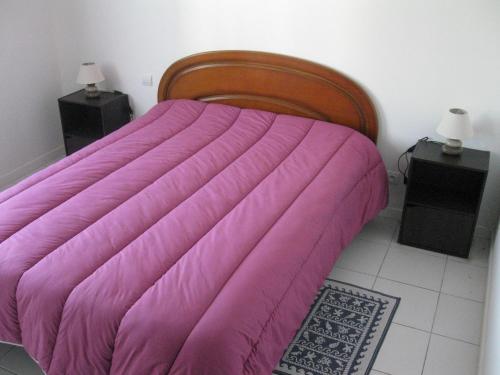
(271, 82)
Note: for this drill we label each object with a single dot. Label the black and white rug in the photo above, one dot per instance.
(342, 333)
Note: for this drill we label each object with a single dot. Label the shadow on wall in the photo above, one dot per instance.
(113, 81)
(388, 148)
(486, 132)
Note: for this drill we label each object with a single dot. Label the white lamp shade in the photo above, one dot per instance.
(89, 73)
(455, 124)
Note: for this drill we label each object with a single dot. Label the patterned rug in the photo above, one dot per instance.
(342, 333)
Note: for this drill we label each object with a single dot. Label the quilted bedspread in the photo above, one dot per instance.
(189, 242)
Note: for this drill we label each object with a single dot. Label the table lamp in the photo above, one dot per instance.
(89, 75)
(455, 126)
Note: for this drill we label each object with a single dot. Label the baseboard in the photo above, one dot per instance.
(482, 231)
(10, 178)
(488, 356)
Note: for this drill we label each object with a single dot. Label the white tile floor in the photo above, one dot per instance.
(436, 330)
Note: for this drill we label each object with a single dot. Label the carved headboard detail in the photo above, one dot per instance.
(271, 82)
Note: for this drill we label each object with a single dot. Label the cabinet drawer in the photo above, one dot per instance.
(438, 230)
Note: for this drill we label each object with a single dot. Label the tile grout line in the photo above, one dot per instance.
(408, 284)
(385, 256)
(376, 277)
(416, 250)
(455, 339)
(434, 333)
(430, 290)
(412, 285)
(435, 315)
(5, 354)
(464, 298)
(465, 263)
(386, 252)
(7, 370)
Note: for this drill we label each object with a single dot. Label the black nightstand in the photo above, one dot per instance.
(443, 197)
(86, 120)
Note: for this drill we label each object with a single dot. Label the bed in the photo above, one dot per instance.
(192, 240)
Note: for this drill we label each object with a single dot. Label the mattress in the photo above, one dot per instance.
(191, 241)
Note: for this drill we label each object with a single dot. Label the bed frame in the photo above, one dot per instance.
(271, 82)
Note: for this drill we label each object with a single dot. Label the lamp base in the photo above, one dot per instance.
(452, 147)
(91, 91)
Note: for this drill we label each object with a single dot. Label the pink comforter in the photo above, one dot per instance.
(191, 241)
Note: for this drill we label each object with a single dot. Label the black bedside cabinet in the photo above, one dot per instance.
(442, 200)
(87, 120)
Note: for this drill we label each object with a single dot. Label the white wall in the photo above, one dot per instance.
(30, 135)
(415, 58)
(489, 363)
